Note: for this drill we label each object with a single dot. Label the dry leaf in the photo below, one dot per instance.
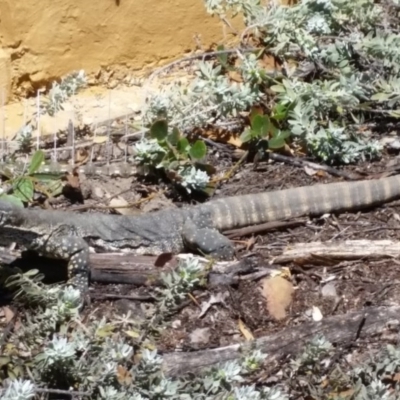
(120, 206)
(100, 139)
(250, 243)
(81, 156)
(396, 377)
(278, 294)
(133, 334)
(124, 377)
(214, 299)
(223, 136)
(235, 76)
(73, 180)
(310, 171)
(245, 331)
(8, 314)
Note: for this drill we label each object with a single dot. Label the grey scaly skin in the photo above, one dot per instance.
(66, 235)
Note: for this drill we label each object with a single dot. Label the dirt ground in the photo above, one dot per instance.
(359, 284)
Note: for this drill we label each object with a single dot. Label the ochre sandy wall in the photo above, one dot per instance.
(46, 39)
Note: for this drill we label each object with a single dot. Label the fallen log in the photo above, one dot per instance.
(339, 251)
(339, 330)
(125, 268)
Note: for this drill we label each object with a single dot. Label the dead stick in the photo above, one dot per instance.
(340, 250)
(340, 329)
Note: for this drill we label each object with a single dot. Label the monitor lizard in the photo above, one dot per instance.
(68, 235)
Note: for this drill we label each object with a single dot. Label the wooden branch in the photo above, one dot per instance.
(339, 251)
(340, 329)
(125, 268)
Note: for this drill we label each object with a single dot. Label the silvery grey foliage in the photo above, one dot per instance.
(147, 151)
(179, 282)
(24, 137)
(211, 95)
(312, 355)
(249, 8)
(376, 390)
(60, 92)
(333, 36)
(193, 179)
(59, 350)
(249, 392)
(384, 47)
(18, 389)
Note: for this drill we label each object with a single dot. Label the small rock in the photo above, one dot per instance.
(329, 290)
(200, 335)
(156, 204)
(113, 84)
(176, 324)
(98, 193)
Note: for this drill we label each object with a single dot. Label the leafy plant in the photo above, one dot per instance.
(264, 133)
(262, 128)
(339, 69)
(58, 94)
(170, 151)
(102, 358)
(21, 185)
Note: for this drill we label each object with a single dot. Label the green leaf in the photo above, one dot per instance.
(278, 141)
(173, 165)
(247, 135)
(159, 130)
(4, 360)
(380, 97)
(174, 137)
(183, 145)
(254, 112)
(279, 113)
(285, 134)
(278, 88)
(395, 113)
(12, 199)
(23, 188)
(36, 161)
(198, 150)
(222, 58)
(54, 187)
(48, 176)
(261, 125)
